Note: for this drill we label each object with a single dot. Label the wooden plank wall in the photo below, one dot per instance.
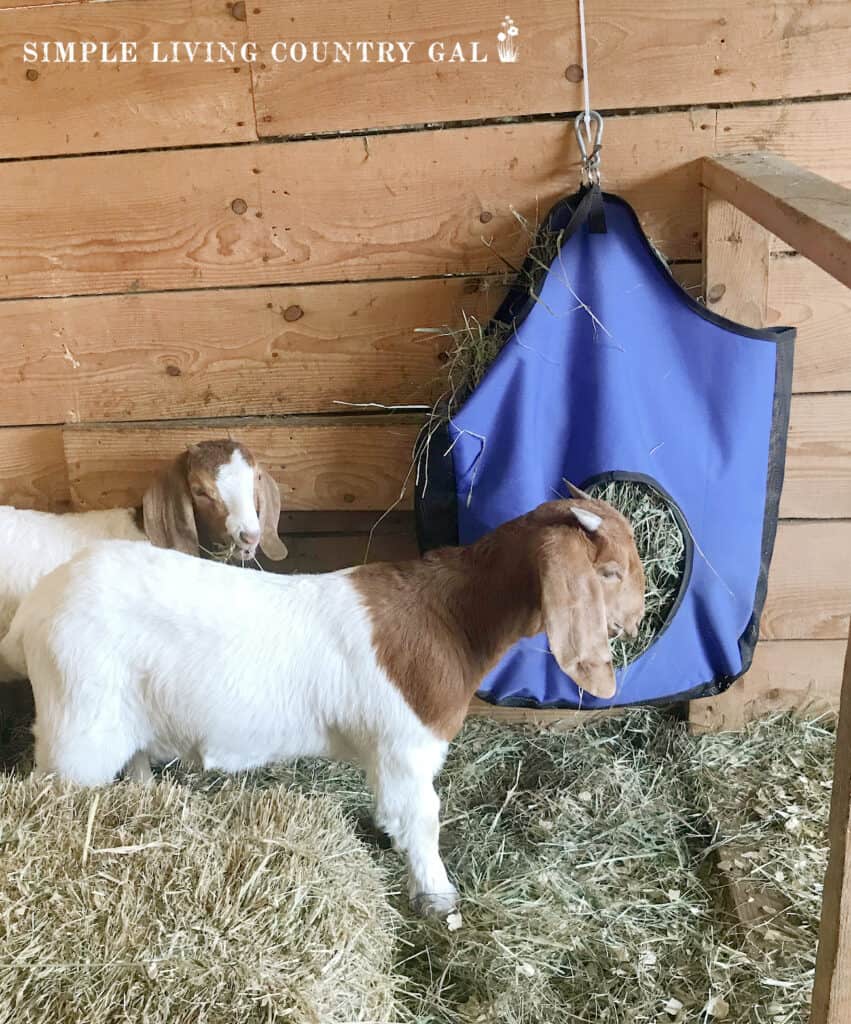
(249, 247)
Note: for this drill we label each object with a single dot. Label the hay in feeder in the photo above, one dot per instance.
(661, 548)
(659, 538)
(160, 904)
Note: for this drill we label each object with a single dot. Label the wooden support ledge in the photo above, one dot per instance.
(832, 989)
(809, 213)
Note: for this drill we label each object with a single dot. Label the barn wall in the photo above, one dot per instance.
(192, 249)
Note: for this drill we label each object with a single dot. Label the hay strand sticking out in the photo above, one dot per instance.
(180, 906)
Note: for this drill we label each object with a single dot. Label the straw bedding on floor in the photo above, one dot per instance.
(594, 866)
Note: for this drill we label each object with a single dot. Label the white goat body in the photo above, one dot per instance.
(214, 491)
(32, 544)
(136, 652)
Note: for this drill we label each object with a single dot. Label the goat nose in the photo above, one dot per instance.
(249, 536)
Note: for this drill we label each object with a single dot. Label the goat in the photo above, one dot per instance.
(213, 498)
(136, 653)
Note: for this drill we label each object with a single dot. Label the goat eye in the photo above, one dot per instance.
(611, 571)
(199, 493)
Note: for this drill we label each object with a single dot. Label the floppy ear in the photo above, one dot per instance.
(269, 511)
(168, 514)
(574, 612)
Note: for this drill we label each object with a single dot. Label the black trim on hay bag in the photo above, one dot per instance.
(608, 367)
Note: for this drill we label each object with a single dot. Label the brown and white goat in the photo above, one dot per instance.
(135, 653)
(213, 498)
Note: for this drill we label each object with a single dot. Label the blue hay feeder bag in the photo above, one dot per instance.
(614, 372)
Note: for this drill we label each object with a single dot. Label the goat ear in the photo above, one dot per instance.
(269, 512)
(168, 513)
(574, 612)
(576, 492)
(589, 521)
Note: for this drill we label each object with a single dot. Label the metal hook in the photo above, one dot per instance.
(590, 144)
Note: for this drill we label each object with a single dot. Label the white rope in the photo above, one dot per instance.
(585, 88)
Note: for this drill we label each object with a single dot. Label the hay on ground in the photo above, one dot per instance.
(587, 862)
(588, 873)
(160, 904)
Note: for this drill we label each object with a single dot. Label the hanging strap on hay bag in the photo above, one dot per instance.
(609, 372)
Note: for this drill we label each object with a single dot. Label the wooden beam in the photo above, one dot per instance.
(832, 987)
(737, 254)
(356, 463)
(810, 213)
(787, 675)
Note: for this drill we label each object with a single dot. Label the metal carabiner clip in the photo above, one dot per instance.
(590, 143)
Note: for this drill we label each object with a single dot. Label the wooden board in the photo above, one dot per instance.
(736, 260)
(804, 296)
(832, 987)
(256, 351)
(671, 54)
(818, 471)
(787, 675)
(54, 108)
(32, 468)
(809, 589)
(404, 205)
(390, 206)
(12, 4)
(354, 463)
(817, 484)
(808, 212)
(813, 136)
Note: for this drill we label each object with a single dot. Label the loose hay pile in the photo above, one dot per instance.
(588, 863)
(160, 904)
(768, 792)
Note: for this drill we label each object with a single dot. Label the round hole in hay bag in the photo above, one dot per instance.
(602, 370)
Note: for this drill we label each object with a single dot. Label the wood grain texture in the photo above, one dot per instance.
(804, 296)
(356, 463)
(95, 107)
(818, 471)
(32, 469)
(803, 676)
(809, 587)
(257, 351)
(17, 4)
(405, 205)
(668, 54)
(814, 136)
(391, 206)
(832, 987)
(809, 213)
(736, 262)
(817, 483)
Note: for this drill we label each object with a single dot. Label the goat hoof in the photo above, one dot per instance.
(435, 904)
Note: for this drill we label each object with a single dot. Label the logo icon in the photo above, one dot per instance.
(506, 41)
